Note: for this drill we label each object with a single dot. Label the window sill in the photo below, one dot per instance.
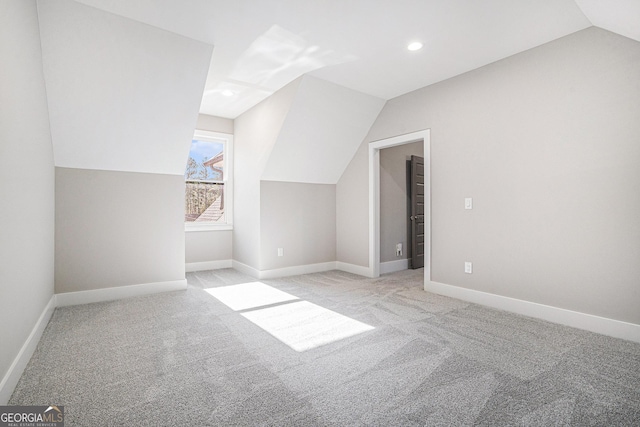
(188, 227)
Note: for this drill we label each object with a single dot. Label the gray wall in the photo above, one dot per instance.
(300, 218)
(352, 211)
(393, 198)
(216, 245)
(546, 142)
(26, 181)
(205, 246)
(117, 228)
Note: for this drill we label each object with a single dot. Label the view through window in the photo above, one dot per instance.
(206, 179)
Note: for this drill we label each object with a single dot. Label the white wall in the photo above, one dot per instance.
(117, 229)
(26, 184)
(546, 143)
(256, 132)
(300, 218)
(394, 198)
(305, 133)
(323, 129)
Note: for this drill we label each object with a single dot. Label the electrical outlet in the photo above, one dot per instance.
(280, 252)
(468, 267)
(399, 249)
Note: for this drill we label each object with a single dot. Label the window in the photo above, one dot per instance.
(208, 187)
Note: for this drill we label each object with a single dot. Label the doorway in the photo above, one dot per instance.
(395, 208)
(374, 197)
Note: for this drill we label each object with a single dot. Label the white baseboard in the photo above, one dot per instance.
(354, 269)
(208, 265)
(108, 294)
(301, 269)
(393, 266)
(16, 369)
(297, 270)
(244, 268)
(589, 322)
(284, 272)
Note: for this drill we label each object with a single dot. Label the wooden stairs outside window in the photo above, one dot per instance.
(213, 213)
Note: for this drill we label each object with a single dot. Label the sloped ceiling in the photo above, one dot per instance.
(261, 45)
(618, 16)
(122, 95)
(322, 131)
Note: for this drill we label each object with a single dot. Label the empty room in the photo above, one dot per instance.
(320, 213)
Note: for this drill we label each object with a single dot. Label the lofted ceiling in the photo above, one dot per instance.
(102, 73)
(261, 45)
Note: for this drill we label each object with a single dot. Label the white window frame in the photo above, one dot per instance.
(204, 135)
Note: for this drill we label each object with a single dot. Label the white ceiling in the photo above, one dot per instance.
(261, 45)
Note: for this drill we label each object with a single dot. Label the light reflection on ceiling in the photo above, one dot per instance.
(273, 60)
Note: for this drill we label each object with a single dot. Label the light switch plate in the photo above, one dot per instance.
(468, 267)
(468, 203)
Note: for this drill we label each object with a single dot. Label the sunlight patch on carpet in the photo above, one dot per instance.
(249, 295)
(302, 325)
(299, 324)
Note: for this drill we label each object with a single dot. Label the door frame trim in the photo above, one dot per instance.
(374, 196)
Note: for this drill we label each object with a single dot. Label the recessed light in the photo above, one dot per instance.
(227, 92)
(415, 46)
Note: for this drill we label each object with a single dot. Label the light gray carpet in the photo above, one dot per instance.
(186, 359)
